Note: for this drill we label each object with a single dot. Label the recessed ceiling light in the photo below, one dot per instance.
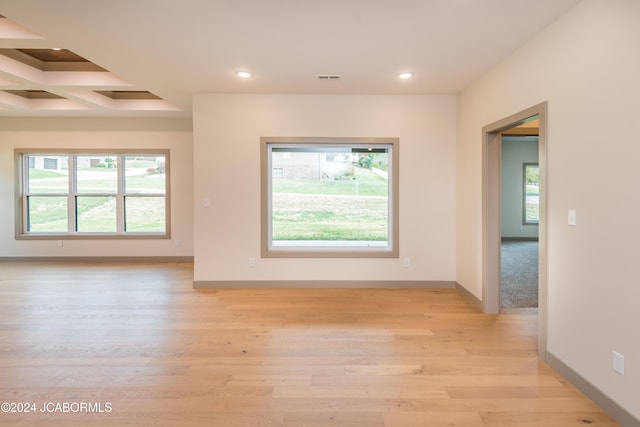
(405, 76)
(243, 74)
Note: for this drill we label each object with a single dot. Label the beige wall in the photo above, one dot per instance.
(227, 131)
(586, 65)
(62, 133)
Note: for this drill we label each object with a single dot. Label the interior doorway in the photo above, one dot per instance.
(519, 218)
(492, 213)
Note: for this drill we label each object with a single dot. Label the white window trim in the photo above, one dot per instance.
(21, 232)
(319, 251)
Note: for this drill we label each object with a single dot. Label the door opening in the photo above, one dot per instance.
(492, 213)
(519, 219)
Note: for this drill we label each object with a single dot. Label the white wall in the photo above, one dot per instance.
(515, 152)
(67, 133)
(227, 131)
(586, 65)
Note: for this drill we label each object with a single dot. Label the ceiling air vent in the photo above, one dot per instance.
(328, 77)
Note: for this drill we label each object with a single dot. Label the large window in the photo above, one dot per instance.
(531, 197)
(92, 194)
(329, 197)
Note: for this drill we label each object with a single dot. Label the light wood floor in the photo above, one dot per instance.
(139, 340)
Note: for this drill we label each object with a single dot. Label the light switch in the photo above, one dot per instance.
(205, 202)
(571, 217)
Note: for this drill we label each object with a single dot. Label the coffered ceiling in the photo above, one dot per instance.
(148, 57)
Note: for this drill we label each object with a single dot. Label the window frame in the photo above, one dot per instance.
(390, 251)
(21, 209)
(525, 165)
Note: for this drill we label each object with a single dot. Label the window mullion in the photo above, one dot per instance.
(25, 193)
(72, 194)
(269, 192)
(390, 196)
(120, 203)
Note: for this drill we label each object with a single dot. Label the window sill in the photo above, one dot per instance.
(92, 236)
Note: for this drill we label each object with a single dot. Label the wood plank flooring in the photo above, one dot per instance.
(135, 345)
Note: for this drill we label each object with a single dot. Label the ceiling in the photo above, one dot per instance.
(151, 56)
(529, 128)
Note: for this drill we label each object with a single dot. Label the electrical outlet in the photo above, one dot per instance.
(252, 262)
(177, 243)
(618, 362)
(60, 243)
(407, 262)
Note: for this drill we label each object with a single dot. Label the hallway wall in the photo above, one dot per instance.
(586, 65)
